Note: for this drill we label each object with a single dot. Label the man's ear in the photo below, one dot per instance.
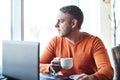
(74, 23)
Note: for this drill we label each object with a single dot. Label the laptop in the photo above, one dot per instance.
(20, 60)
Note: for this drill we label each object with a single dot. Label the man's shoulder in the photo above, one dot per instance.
(88, 35)
(91, 37)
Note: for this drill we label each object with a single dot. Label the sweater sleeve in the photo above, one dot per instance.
(46, 57)
(104, 68)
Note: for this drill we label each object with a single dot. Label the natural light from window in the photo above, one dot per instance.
(4, 24)
(40, 18)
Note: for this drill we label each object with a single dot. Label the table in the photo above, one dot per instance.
(2, 77)
(50, 77)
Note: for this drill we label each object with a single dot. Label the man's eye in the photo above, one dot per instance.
(61, 21)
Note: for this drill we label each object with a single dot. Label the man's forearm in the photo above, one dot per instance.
(44, 68)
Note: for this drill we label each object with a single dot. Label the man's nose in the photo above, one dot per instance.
(57, 24)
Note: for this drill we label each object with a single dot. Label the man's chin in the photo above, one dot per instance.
(62, 36)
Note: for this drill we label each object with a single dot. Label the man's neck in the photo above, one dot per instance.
(75, 37)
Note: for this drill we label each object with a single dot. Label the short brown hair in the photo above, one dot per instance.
(75, 12)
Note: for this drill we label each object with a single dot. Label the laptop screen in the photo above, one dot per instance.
(20, 60)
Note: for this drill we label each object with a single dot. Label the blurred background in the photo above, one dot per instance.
(34, 20)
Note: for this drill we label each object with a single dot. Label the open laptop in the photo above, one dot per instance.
(20, 60)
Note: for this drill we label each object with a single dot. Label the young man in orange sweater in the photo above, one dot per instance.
(88, 52)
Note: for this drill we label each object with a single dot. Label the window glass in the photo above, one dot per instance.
(5, 13)
(117, 13)
(39, 19)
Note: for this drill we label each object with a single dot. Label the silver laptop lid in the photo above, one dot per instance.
(20, 60)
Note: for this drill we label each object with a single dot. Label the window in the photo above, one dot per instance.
(40, 17)
(36, 21)
(117, 16)
(5, 23)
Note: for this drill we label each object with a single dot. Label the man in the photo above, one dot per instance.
(90, 57)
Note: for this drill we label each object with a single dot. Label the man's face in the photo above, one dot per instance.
(64, 24)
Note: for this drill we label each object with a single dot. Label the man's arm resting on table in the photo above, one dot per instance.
(44, 68)
(87, 77)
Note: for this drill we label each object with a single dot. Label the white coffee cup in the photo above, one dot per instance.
(66, 63)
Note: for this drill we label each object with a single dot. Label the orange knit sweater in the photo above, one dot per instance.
(89, 56)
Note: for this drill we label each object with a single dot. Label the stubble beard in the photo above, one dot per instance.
(66, 34)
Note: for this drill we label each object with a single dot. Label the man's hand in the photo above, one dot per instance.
(55, 65)
(87, 77)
